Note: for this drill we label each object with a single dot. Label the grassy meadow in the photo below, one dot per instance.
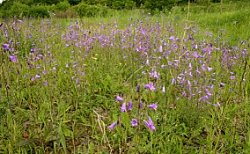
(128, 83)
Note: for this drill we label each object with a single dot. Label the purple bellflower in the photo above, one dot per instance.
(150, 86)
(119, 99)
(112, 126)
(6, 46)
(140, 105)
(13, 58)
(123, 107)
(154, 74)
(153, 106)
(134, 122)
(130, 106)
(149, 123)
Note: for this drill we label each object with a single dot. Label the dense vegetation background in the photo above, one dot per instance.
(89, 8)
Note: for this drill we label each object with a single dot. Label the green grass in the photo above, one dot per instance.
(229, 20)
(72, 113)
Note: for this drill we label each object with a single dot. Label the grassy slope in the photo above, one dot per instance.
(66, 116)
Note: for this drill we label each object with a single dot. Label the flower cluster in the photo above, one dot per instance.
(127, 107)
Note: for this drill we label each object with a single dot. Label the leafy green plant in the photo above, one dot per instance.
(118, 5)
(62, 6)
(159, 5)
(85, 10)
(129, 4)
(18, 9)
(39, 11)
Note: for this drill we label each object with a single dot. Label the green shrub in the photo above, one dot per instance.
(81, 9)
(18, 10)
(118, 5)
(62, 6)
(177, 10)
(84, 10)
(39, 11)
(130, 4)
(159, 5)
(69, 13)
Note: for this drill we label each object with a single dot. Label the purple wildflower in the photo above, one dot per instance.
(190, 74)
(232, 77)
(37, 76)
(197, 70)
(143, 31)
(6, 46)
(208, 92)
(134, 122)
(196, 55)
(170, 63)
(112, 126)
(153, 106)
(119, 99)
(195, 46)
(32, 50)
(154, 74)
(13, 58)
(209, 69)
(190, 66)
(44, 72)
(140, 105)
(123, 107)
(150, 86)
(130, 106)
(204, 98)
(45, 83)
(184, 94)
(160, 48)
(217, 104)
(172, 38)
(32, 79)
(173, 81)
(149, 123)
(222, 84)
(203, 67)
